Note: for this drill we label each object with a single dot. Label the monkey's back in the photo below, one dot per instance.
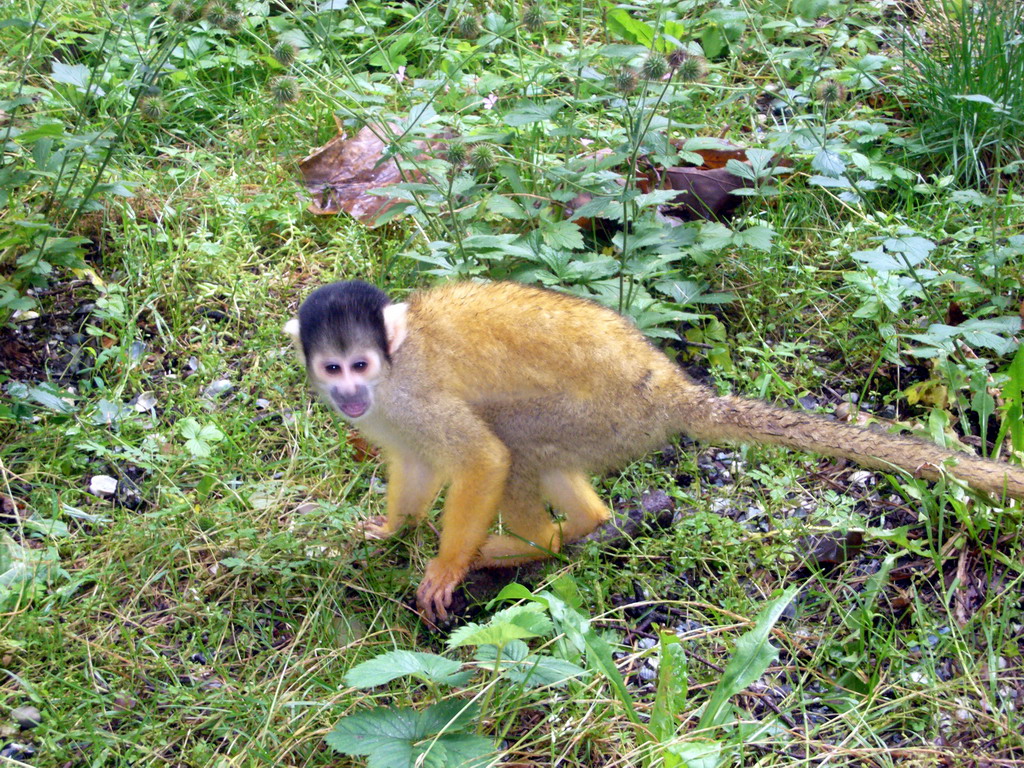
(563, 381)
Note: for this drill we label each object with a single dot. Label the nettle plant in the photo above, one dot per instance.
(535, 167)
(450, 731)
(899, 277)
(80, 97)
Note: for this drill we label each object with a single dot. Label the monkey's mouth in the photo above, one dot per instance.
(353, 410)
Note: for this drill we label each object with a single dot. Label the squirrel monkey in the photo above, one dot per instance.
(512, 396)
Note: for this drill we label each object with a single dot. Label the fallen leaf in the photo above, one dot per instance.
(361, 450)
(340, 174)
(703, 193)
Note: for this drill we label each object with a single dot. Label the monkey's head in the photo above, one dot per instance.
(345, 334)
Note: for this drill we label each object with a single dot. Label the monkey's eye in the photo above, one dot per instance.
(332, 368)
(360, 365)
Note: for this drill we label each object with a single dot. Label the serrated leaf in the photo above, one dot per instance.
(506, 206)
(210, 434)
(562, 235)
(516, 623)
(504, 243)
(655, 198)
(71, 74)
(741, 170)
(592, 208)
(393, 737)
(529, 670)
(530, 113)
(840, 182)
(198, 448)
(914, 250)
(878, 260)
(394, 664)
(828, 163)
(758, 237)
(52, 398)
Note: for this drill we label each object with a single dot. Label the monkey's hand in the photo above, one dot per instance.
(377, 528)
(435, 592)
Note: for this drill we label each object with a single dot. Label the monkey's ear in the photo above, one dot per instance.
(292, 329)
(395, 325)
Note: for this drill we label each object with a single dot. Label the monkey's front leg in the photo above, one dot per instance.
(412, 488)
(469, 510)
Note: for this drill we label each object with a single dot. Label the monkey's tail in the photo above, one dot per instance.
(739, 420)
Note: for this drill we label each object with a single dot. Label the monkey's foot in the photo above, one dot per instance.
(376, 528)
(435, 592)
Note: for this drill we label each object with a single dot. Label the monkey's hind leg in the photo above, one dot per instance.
(571, 493)
(412, 488)
(532, 534)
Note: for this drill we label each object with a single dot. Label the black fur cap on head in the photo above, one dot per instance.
(343, 315)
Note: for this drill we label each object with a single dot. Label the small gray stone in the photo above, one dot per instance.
(26, 717)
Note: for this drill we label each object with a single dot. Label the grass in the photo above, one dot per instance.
(208, 614)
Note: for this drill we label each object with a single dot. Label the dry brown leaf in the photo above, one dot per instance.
(340, 174)
(703, 193)
(361, 449)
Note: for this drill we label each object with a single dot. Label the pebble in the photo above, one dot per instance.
(26, 717)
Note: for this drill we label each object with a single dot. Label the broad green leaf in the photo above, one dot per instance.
(46, 130)
(402, 737)
(592, 208)
(839, 182)
(504, 243)
(71, 74)
(914, 250)
(829, 163)
(532, 113)
(752, 657)
(562, 235)
(879, 260)
(52, 398)
(210, 434)
(507, 207)
(515, 623)
(694, 754)
(757, 236)
(394, 664)
(622, 25)
(530, 670)
(741, 170)
(673, 685)
(46, 526)
(714, 41)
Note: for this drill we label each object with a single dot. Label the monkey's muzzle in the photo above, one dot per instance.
(354, 405)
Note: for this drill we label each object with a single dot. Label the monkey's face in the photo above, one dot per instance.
(346, 379)
(345, 334)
